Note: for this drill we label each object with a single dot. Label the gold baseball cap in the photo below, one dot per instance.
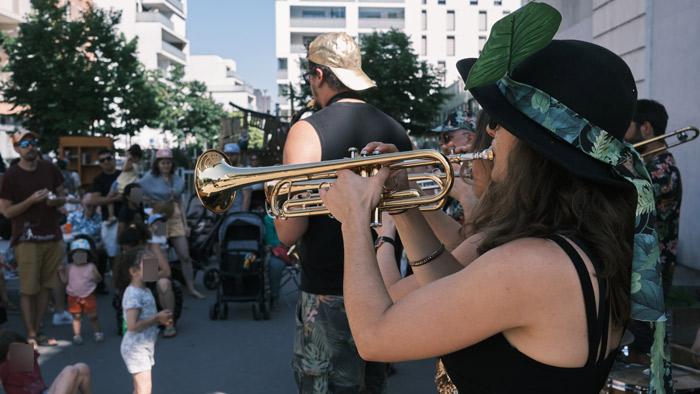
(339, 52)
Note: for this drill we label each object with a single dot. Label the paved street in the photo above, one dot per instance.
(238, 355)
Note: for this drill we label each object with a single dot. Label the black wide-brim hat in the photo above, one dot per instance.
(587, 78)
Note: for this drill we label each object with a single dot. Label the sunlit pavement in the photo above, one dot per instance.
(237, 355)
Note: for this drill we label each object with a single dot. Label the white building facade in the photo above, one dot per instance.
(161, 28)
(442, 31)
(223, 82)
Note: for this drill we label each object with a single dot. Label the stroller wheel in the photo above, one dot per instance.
(211, 278)
(223, 311)
(214, 311)
(256, 311)
(266, 310)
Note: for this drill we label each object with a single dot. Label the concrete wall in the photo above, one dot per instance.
(658, 40)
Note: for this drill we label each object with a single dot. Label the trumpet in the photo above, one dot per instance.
(680, 135)
(216, 181)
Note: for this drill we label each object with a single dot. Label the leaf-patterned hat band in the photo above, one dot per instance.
(587, 78)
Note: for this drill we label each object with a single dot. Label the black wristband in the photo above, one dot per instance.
(381, 240)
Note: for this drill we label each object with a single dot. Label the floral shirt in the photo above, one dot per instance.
(666, 181)
(81, 225)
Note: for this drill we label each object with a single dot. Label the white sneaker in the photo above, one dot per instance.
(62, 319)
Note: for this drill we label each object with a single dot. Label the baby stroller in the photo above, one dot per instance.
(204, 225)
(242, 273)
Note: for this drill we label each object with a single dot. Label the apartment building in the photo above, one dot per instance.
(223, 82)
(160, 26)
(442, 31)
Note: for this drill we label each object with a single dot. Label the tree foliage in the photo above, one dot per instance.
(407, 90)
(76, 77)
(186, 107)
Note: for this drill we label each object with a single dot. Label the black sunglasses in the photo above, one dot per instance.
(447, 137)
(106, 159)
(307, 75)
(492, 122)
(27, 144)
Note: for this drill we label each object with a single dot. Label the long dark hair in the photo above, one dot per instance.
(539, 198)
(126, 260)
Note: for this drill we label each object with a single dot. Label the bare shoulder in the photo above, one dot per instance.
(302, 145)
(529, 260)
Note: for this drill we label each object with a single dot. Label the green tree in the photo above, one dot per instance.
(407, 90)
(187, 108)
(76, 77)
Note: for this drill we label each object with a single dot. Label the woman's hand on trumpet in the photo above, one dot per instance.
(351, 197)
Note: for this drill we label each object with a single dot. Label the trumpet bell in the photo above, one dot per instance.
(209, 179)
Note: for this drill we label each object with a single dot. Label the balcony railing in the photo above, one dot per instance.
(233, 74)
(381, 23)
(165, 5)
(157, 17)
(282, 74)
(317, 22)
(175, 51)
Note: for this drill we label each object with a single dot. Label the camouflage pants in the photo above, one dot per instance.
(325, 356)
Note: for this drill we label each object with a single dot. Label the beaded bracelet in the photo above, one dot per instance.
(432, 256)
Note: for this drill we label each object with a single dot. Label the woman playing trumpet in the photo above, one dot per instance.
(536, 297)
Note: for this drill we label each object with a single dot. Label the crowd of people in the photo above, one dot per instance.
(525, 282)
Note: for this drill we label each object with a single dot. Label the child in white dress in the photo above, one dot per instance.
(141, 318)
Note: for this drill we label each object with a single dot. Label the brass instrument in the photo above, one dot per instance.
(681, 136)
(216, 181)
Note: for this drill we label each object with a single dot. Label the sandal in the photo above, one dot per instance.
(99, 337)
(77, 340)
(43, 340)
(169, 332)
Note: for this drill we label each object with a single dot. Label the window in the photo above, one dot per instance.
(473, 2)
(313, 14)
(441, 70)
(497, 2)
(450, 46)
(282, 63)
(441, 2)
(424, 20)
(424, 46)
(450, 20)
(482, 20)
(307, 39)
(370, 14)
(482, 42)
(424, 2)
(506, 12)
(338, 12)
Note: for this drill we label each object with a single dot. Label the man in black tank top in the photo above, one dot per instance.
(325, 357)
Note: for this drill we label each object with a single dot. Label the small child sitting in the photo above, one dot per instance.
(71, 379)
(82, 278)
(157, 224)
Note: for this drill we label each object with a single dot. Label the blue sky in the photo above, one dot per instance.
(242, 30)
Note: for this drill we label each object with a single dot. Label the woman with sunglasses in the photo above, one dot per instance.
(537, 296)
(164, 188)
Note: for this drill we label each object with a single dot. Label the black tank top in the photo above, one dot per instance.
(340, 125)
(495, 366)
